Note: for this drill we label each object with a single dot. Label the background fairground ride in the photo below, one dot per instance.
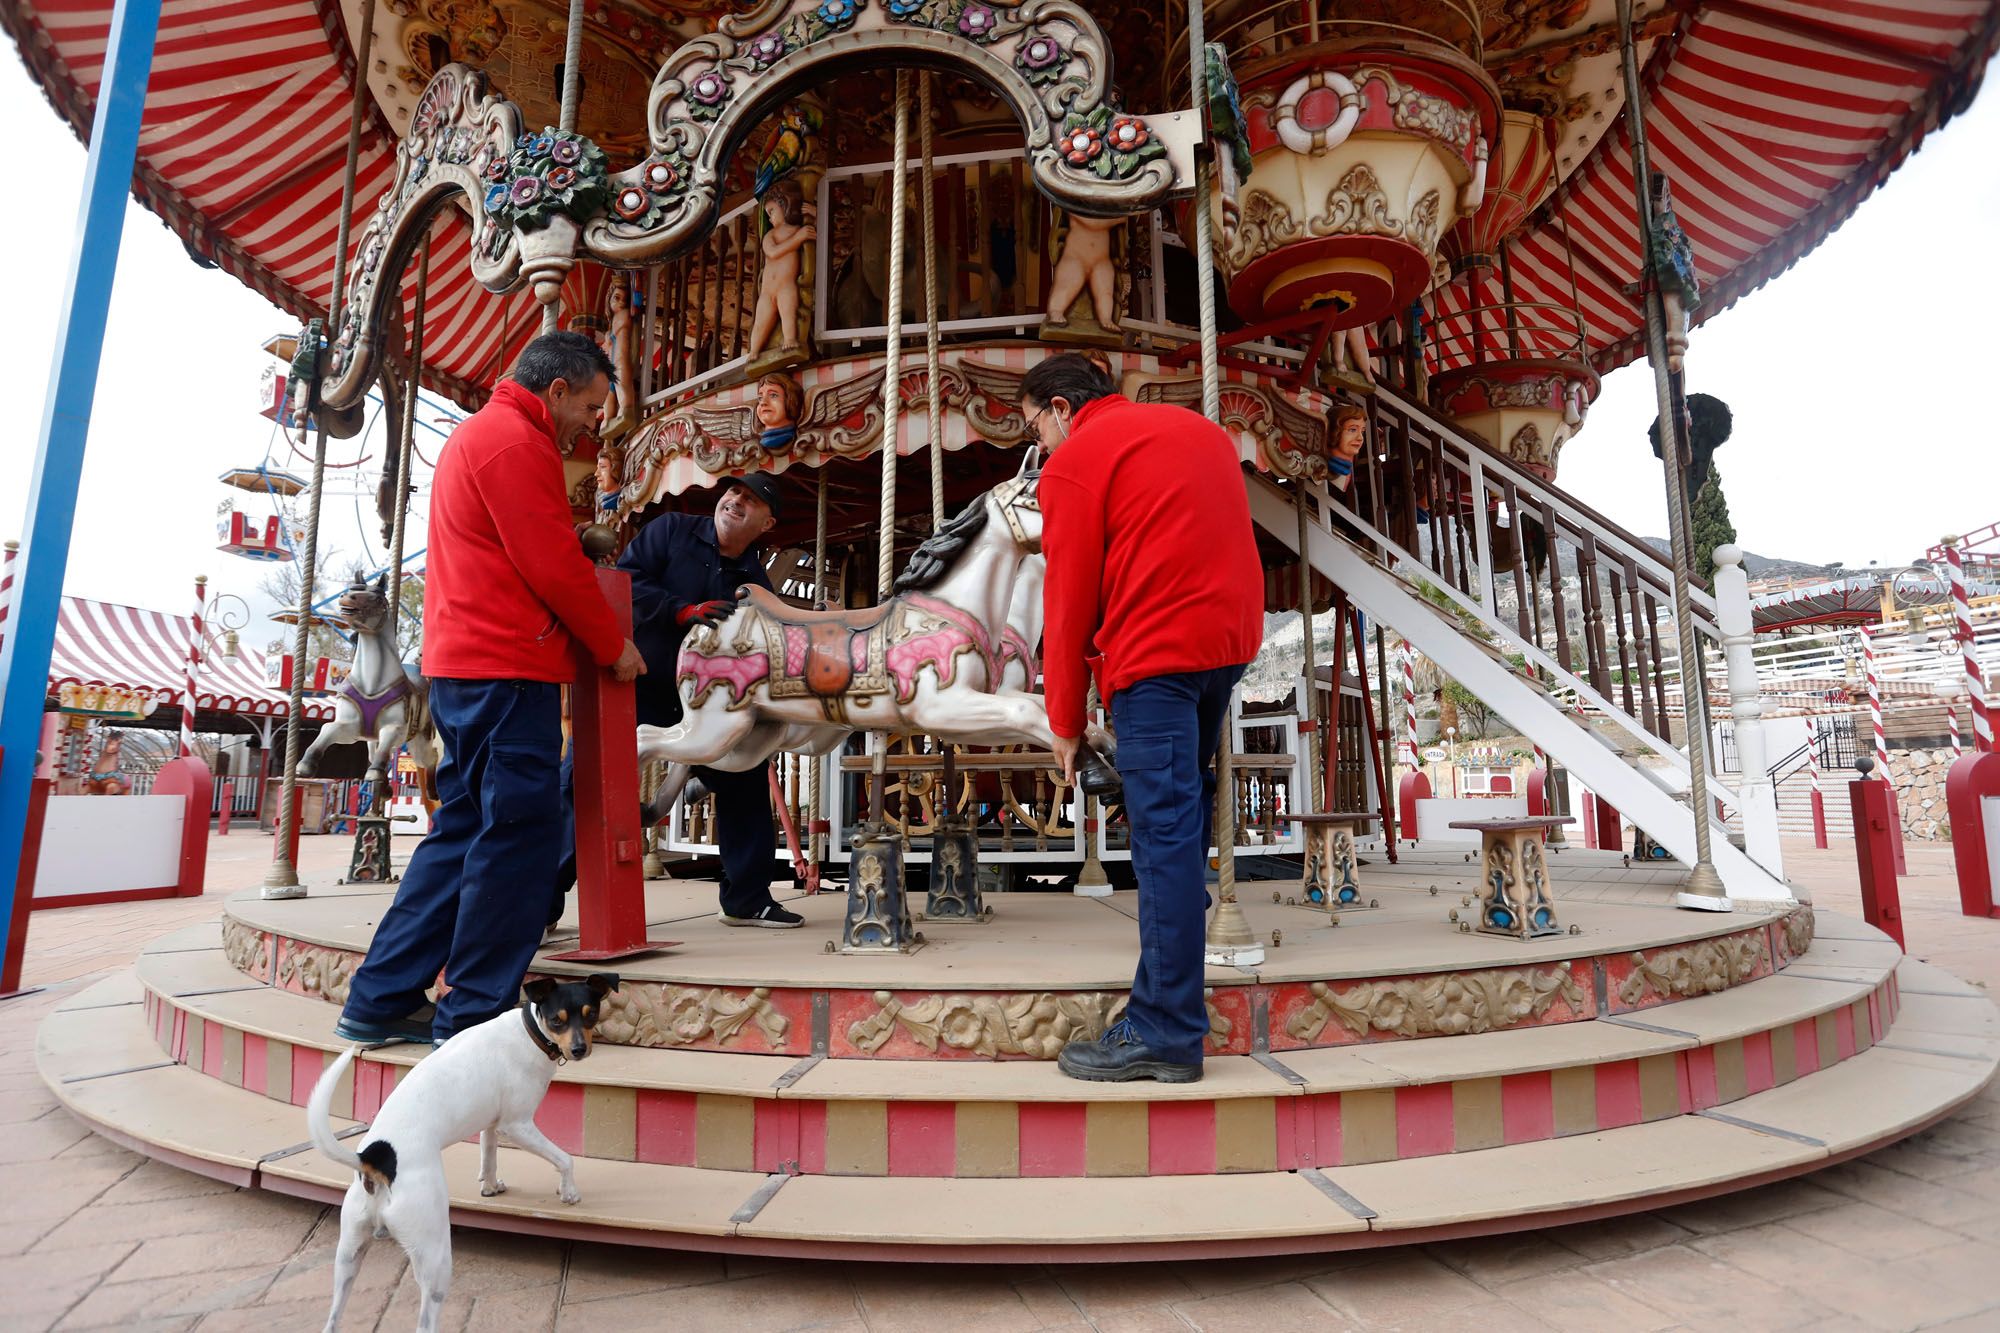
(1454, 217)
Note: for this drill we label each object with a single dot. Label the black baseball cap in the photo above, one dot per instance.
(762, 485)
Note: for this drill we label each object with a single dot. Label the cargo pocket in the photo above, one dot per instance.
(1146, 767)
(522, 786)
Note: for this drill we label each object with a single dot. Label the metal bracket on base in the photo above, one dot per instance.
(606, 955)
(954, 881)
(878, 906)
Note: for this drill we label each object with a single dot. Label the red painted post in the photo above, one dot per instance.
(1874, 805)
(228, 805)
(610, 847)
(24, 887)
(290, 825)
(1610, 835)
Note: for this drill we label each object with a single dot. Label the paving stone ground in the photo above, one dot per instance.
(92, 1236)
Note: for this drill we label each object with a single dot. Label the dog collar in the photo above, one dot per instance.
(537, 1036)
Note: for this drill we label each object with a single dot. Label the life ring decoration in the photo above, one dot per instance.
(1288, 118)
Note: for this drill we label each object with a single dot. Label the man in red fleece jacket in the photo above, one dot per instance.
(506, 590)
(1155, 587)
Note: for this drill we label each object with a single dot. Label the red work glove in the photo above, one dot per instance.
(707, 613)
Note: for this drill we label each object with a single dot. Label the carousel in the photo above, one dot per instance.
(1391, 248)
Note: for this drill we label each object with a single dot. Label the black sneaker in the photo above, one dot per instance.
(770, 917)
(410, 1031)
(1119, 1057)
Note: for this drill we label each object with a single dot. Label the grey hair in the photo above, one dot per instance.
(569, 356)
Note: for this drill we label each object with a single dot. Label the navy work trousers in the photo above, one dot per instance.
(745, 835)
(472, 900)
(1168, 728)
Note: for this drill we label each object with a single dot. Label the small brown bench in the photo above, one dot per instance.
(1515, 898)
(1330, 879)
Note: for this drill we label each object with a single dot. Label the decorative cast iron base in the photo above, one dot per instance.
(1515, 899)
(878, 905)
(954, 891)
(1332, 877)
(370, 863)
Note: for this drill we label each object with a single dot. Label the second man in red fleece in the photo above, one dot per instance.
(1153, 586)
(506, 592)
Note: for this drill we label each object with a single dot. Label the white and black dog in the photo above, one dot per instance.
(485, 1079)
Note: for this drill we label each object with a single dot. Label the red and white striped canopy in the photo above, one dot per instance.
(1772, 118)
(103, 643)
(242, 149)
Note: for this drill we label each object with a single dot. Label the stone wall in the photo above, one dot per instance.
(1919, 778)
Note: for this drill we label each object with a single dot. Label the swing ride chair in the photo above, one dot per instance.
(791, 281)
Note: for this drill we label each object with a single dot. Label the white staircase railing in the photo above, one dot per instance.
(1431, 516)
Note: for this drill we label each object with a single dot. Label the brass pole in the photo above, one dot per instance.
(282, 879)
(1704, 891)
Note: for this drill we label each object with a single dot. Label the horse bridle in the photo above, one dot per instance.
(1018, 497)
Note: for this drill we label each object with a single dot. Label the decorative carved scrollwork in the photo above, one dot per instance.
(1035, 1024)
(1799, 927)
(246, 948)
(1447, 1004)
(1701, 968)
(655, 1015)
(314, 970)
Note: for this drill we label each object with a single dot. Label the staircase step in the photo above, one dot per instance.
(1881, 1094)
(1334, 1105)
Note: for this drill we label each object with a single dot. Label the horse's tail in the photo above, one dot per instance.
(425, 745)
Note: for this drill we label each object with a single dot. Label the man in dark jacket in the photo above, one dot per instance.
(506, 591)
(686, 570)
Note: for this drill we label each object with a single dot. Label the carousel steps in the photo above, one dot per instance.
(1941, 1051)
(1338, 1105)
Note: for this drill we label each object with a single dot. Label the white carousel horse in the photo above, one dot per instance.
(929, 660)
(382, 701)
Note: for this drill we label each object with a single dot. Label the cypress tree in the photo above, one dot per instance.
(1710, 524)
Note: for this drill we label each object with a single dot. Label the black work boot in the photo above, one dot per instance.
(1119, 1056)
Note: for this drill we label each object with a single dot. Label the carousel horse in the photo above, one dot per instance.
(929, 660)
(382, 702)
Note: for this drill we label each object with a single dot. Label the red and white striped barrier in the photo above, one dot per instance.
(7, 586)
(1975, 676)
(1951, 716)
(1411, 756)
(193, 669)
(1875, 702)
(1818, 800)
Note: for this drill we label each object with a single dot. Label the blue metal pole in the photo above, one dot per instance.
(58, 474)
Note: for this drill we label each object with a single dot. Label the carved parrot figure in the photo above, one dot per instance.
(788, 146)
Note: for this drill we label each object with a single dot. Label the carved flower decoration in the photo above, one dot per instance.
(978, 22)
(961, 1027)
(1131, 141)
(1042, 58)
(903, 10)
(631, 204)
(661, 177)
(687, 1018)
(495, 169)
(1081, 145)
(707, 94)
(1129, 134)
(554, 173)
(767, 50)
(838, 15)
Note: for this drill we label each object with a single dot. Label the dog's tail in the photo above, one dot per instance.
(376, 1162)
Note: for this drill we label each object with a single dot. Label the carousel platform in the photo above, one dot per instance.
(1388, 1080)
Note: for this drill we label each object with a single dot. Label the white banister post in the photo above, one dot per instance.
(1759, 799)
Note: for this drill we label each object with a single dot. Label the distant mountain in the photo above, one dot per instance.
(1758, 566)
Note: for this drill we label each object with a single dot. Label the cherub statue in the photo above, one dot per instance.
(1350, 353)
(1086, 262)
(778, 284)
(1350, 437)
(610, 482)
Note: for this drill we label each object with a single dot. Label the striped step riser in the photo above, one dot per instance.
(1063, 1139)
(985, 1025)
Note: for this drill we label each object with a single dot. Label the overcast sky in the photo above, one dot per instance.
(1859, 382)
